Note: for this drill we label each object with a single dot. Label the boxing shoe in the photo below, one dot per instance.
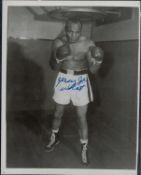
(54, 140)
(84, 154)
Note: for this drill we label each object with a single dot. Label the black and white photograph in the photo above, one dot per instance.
(70, 87)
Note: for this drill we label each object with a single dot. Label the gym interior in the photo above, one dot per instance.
(112, 117)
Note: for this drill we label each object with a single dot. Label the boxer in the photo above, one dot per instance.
(73, 55)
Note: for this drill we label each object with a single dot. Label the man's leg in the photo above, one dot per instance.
(81, 112)
(83, 126)
(59, 111)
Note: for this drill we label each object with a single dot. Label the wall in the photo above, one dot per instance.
(30, 80)
(117, 83)
(21, 24)
(117, 79)
(124, 30)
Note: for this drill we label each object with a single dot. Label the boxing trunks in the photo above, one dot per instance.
(73, 86)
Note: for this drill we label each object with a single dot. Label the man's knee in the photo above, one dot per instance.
(58, 114)
(81, 111)
(59, 111)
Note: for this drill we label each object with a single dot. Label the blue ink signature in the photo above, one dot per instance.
(72, 84)
(73, 87)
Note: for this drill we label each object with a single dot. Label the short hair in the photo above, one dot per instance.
(72, 21)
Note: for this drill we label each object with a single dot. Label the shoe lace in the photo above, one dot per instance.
(52, 140)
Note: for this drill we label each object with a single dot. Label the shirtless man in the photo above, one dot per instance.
(73, 55)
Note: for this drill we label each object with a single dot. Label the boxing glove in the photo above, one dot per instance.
(63, 52)
(97, 53)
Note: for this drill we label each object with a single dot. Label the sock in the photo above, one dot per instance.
(55, 131)
(84, 141)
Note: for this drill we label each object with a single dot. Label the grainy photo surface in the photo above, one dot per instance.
(71, 76)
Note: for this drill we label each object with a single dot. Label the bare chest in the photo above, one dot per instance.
(78, 51)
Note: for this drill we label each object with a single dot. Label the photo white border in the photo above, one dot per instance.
(66, 171)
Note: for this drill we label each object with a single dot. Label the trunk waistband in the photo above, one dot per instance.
(74, 72)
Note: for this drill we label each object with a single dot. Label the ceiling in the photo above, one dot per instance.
(101, 15)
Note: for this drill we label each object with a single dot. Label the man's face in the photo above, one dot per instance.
(73, 32)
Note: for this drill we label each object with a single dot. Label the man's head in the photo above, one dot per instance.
(73, 30)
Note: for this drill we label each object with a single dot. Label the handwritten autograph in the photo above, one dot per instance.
(72, 84)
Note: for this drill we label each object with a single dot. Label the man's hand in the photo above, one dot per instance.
(62, 52)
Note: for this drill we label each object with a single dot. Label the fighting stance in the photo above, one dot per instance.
(73, 55)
